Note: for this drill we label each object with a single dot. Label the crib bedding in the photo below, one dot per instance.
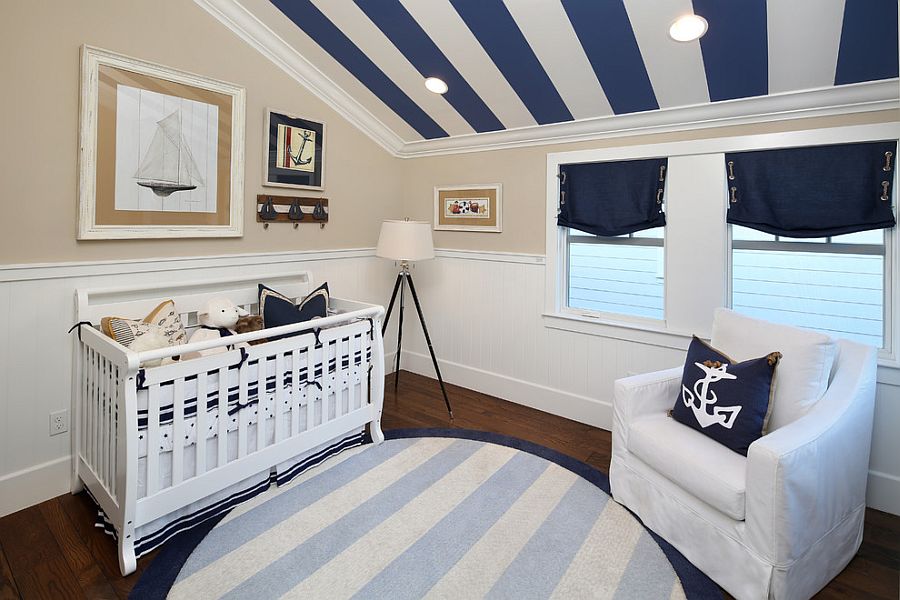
(251, 407)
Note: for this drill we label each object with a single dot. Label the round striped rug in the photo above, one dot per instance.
(437, 514)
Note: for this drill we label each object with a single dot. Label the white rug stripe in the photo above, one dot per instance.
(597, 568)
(677, 591)
(475, 574)
(348, 572)
(276, 491)
(219, 577)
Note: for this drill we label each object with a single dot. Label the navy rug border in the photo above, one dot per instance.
(159, 577)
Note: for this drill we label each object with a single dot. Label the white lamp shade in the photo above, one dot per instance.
(405, 240)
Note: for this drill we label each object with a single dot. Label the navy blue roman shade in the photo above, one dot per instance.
(812, 192)
(612, 198)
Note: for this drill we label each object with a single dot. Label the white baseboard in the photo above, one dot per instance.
(591, 411)
(34, 485)
(883, 492)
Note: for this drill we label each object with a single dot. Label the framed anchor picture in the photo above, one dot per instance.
(161, 151)
(294, 151)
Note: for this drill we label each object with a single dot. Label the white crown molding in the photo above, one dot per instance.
(261, 37)
(821, 102)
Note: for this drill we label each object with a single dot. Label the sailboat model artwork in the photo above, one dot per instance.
(168, 166)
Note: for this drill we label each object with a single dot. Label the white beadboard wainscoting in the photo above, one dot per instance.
(484, 313)
(37, 305)
(483, 310)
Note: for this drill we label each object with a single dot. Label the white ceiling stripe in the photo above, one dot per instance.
(550, 34)
(273, 18)
(675, 68)
(450, 33)
(804, 39)
(351, 20)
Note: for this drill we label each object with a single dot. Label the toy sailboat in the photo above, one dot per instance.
(168, 166)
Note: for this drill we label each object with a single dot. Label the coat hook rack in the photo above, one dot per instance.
(291, 209)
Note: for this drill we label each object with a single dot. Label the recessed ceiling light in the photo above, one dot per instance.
(688, 28)
(436, 85)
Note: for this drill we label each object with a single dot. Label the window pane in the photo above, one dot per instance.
(873, 236)
(837, 293)
(747, 234)
(655, 233)
(616, 278)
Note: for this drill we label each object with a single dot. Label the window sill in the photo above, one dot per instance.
(644, 332)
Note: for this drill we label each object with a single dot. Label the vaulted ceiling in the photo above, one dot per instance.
(533, 69)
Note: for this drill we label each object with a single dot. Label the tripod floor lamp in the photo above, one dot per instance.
(408, 241)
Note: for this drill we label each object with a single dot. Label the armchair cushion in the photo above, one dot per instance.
(726, 400)
(697, 464)
(803, 371)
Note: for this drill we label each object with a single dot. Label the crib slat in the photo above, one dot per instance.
(311, 390)
(101, 422)
(114, 432)
(200, 425)
(95, 417)
(295, 392)
(339, 376)
(153, 450)
(278, 404)
(262, 396)
(365, 344)
(107, 424)
(222, 439)
(86, 405)
(243, 375)
(178, 431)
(351, 364)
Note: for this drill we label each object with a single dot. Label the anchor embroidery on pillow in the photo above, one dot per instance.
(703, 397)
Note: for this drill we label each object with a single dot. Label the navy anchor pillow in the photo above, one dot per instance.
(727, 401)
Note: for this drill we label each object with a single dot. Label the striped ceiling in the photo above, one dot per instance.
(518, 63)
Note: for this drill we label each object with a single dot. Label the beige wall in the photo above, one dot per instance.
(39, 78)
(522, 172)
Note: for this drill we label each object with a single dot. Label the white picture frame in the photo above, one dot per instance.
(469, 194)
(93, 60)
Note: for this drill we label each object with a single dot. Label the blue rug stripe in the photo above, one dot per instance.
(407, 35)
(645, 578)
(249, 525)
(500, 36)
(868, 49)
(435, 553)
(561, 536)
(605, 34)
(282, 575)
(325, 33)
(735, 48)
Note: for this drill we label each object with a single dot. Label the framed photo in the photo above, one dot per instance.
(161, 151)
(294, 151)
(468, 208)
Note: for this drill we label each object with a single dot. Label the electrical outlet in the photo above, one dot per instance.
(59, 422)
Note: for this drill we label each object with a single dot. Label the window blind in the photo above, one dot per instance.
(612, 198)
(813, 192)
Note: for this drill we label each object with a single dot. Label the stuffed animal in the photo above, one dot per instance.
(248, 324)
(153, 338)
(217, 319)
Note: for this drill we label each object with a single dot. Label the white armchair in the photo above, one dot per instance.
(778, 523)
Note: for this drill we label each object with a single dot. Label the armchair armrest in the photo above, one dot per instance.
(803, 479)
(642, 395)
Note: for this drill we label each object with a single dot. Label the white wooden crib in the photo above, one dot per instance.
(164, 447)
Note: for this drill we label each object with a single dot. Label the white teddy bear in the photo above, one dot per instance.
(217, 320)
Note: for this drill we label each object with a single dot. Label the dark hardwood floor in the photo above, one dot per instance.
(53, 551)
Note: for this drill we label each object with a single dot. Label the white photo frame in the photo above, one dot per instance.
(163, 211)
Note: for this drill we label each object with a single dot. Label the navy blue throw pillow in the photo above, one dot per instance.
(727, 401)
(277, 309)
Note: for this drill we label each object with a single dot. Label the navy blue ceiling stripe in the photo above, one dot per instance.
(504, 42)
(868, 48)
(398, 25)
(736, 48)
(311, 20)
(608, 40)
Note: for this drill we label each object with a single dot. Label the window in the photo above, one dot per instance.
(621, 275)
(838, 285)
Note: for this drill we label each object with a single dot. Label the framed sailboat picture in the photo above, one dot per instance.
(161, 151)
(294, 151)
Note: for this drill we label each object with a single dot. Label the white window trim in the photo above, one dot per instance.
(667, 333)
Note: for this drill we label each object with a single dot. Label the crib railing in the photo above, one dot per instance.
(98, 428)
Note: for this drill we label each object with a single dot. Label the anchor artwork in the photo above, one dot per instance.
(294, 151)
(296, 148)
(702, 398)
